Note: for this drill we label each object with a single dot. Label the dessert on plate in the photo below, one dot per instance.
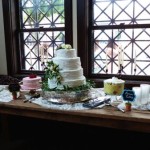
(31, 82)
(114, 86)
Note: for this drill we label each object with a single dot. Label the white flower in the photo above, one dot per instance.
(63, 46)
(68, 46)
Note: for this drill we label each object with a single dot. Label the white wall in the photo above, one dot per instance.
(3, 63)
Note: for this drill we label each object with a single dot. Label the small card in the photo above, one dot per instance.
(128, 95)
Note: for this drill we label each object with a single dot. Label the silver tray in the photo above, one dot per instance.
(63, 97)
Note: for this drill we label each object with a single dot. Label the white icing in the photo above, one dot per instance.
(71, 74)
(31, 83)
(70, 69)
(65, 53)
(30, 87)
(114, 80)
(31, 80)
(68, 63)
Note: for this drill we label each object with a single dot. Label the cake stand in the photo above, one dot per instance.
(67, 97)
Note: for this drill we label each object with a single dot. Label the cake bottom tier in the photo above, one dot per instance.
(71, 83)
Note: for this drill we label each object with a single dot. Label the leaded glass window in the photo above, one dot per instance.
(42, 29)
(121, 37)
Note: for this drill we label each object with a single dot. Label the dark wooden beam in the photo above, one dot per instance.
(10, 33)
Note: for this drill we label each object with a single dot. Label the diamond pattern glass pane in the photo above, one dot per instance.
(134, 45)
(114, 12)
(39, 48)
(42, 13)
(42, 24)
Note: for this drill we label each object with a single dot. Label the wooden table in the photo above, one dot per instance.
(106, 117)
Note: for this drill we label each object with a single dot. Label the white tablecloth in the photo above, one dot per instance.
(6, 96)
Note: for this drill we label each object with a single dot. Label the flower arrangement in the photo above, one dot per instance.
(64, 46)
(14, 88)
(128, 106)
(52, 72)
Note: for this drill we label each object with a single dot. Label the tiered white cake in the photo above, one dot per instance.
(68, 65)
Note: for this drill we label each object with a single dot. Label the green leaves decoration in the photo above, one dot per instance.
(52, 72)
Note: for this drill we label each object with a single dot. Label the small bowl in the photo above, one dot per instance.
(114, 86)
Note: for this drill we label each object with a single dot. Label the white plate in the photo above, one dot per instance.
(27, 91)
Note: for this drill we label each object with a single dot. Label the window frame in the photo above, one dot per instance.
(84, 20)
(10, 15)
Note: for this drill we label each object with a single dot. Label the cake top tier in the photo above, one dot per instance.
(65, 51)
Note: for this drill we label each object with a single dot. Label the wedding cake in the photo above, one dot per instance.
(65, 69)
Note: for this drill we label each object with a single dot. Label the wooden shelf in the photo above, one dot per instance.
(106, 117)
